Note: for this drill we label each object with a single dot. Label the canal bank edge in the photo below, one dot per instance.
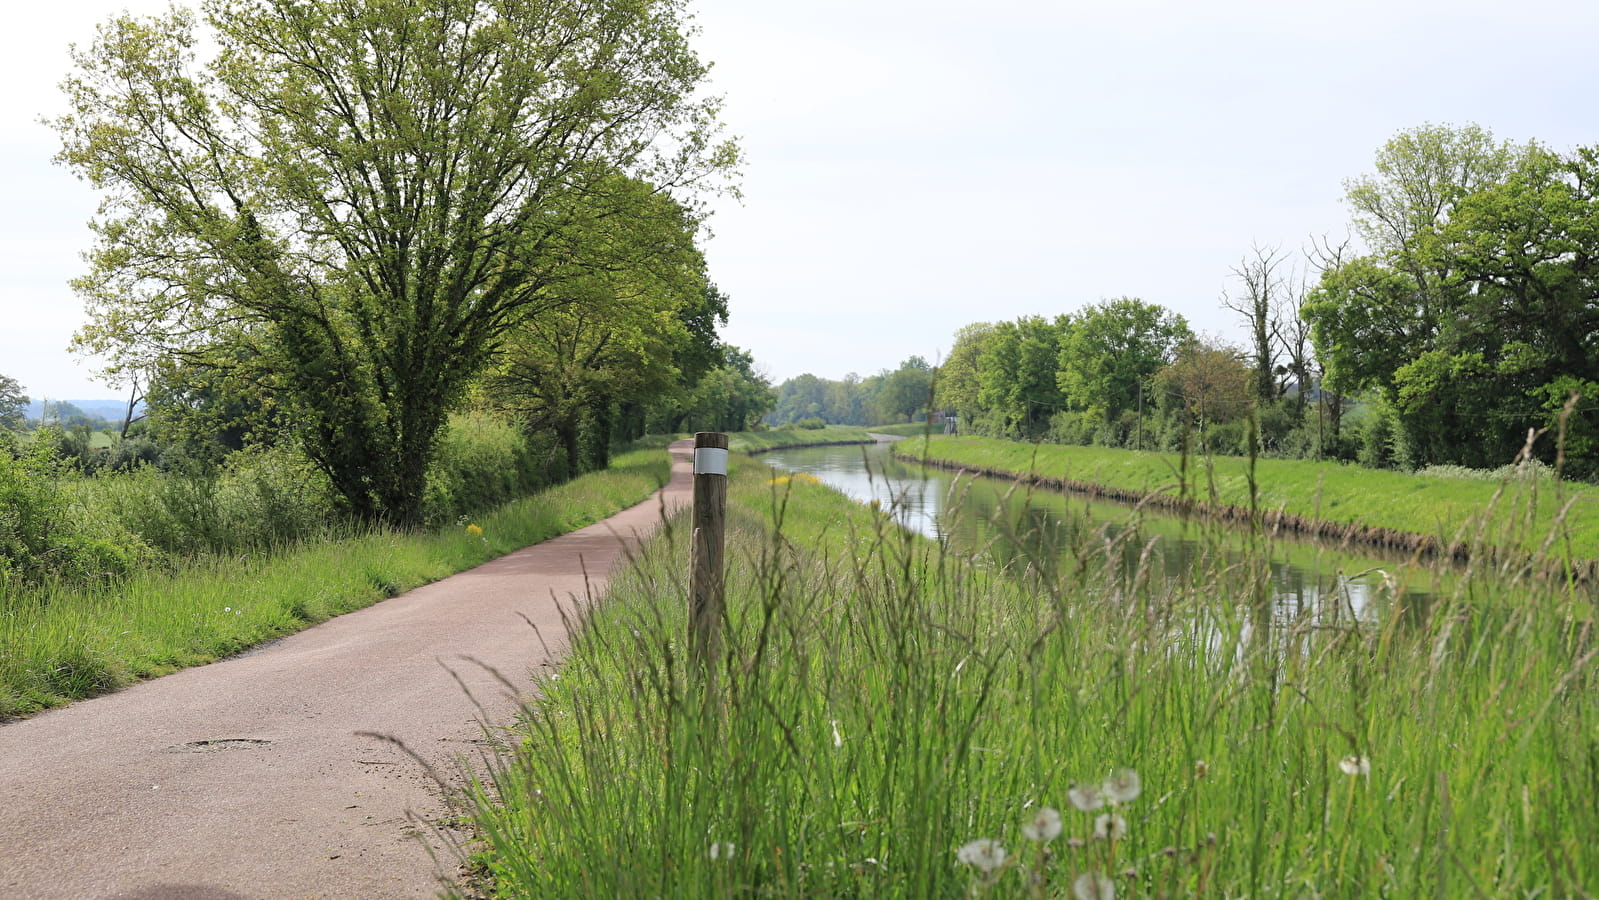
(1348, 534)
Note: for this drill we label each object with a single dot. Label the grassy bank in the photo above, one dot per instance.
(784, 438)
(59, 644)
(1531, 513)
(891, 722)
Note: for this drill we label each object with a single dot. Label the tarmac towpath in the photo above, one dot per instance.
(252, 777)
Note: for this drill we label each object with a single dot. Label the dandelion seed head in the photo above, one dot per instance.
(984, 853)
(1355, 765)
(1110, 827)
(1086, 797)
(1123, 786)
(1094, 886)
(1043, 826)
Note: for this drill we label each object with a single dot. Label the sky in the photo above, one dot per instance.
(916, 166)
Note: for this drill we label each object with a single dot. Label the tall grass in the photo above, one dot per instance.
(60, 642)
(884, 706)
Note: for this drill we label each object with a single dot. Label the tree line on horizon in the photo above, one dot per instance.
(1460, 318)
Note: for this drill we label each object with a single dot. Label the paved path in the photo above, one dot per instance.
(251, 777)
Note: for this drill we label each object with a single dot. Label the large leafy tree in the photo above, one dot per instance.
(371, 193)
(1017, 375)
(730, 397)
(801, 397)
(13, 404)
(904, 392)
(1475, 314)
(1207, 384)
(1112, 349)
(633, 292)
(959, 380)
(1372, 314)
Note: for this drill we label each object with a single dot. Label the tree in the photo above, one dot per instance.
(1209, 383)
(624, 323)
(370, 192)
(1263, 287)
(959, 380)
(1475, 314)
(1111, 349)
(1017, 373)
(904, 392)
(731, 397)
(801, 397)
(13, 404)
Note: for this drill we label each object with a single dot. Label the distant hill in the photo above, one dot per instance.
(110, 410)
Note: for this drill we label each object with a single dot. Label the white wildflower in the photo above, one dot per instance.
(984, 853)
(1044, 826)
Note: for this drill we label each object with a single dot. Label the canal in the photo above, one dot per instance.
(998, 522)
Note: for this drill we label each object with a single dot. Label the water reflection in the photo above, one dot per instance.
(997, 522)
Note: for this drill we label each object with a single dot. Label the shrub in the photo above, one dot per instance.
(481, 462)
(41, 537)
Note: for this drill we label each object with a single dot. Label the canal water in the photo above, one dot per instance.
(997, 521)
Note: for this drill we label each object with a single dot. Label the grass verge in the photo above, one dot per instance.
(894, 722)
(59, 644)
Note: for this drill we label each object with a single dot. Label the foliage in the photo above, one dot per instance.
(1111, 351)
(622, 325)
(730, 397)
(43, 538)
(1471, 314)
(892, 395)
(13, 404)
(368, 194)
(1210, 384)
(1019, 376)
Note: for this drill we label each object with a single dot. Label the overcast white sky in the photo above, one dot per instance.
(917, 165)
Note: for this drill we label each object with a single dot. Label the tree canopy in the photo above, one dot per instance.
(1474, 315)
(13, 404)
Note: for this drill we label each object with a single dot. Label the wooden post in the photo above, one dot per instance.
(706, 589)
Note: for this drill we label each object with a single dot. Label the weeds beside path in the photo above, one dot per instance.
(293, 770)
(58, 645)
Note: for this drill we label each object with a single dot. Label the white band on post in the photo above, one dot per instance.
(710, 461)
